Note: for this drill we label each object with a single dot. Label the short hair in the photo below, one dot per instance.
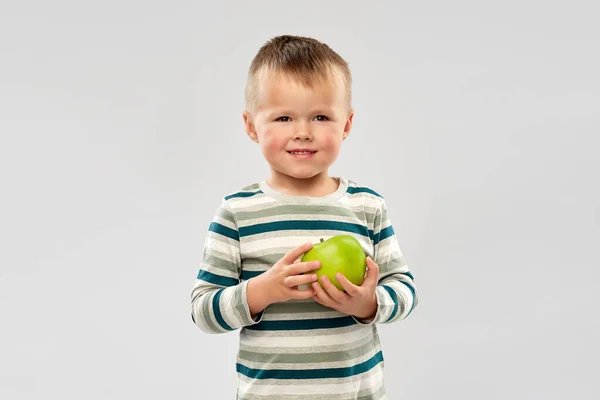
(304, 59)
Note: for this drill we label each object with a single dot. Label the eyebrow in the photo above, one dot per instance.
(284, 111)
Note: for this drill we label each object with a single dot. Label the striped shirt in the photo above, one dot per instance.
(299, 349)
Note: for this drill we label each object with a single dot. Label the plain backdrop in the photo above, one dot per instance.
(121, 130)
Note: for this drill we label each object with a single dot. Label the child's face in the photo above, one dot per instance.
(290, 117)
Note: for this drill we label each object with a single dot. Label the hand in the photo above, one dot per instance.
(359, 301)
(280, 282)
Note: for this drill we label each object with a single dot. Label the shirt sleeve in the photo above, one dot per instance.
(218, 298)
(396, 292)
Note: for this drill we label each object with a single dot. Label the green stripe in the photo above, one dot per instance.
(302, 324)
(383, 234)
(242, 194)
(238, 301)
(304, 225)
(217, 279)
(217, 310)
(266, 259)
(367, 394)
(386, 233)
(206, 313)
(308, 358)
(294, 307)
(223, 230)
(245, 275)
(393, 265)
(210, 258)
(394, 299)
(359, 189)
(322, 373)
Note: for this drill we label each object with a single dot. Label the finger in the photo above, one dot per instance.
(318, 300)
(302, 267)
(322, 295)
(295, 280)
(333, 292)
(301, 294)
(372, 271)
(295, 253)
(348, 286)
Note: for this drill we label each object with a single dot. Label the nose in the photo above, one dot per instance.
(302, 133)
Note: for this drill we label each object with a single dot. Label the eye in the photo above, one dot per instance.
(283, 119)
(322, 118)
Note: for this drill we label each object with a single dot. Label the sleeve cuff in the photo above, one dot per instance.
(244, 308)
(382, 308)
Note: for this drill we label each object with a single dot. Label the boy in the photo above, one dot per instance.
(300, 338)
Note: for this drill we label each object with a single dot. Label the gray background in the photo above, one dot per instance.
(478, 122)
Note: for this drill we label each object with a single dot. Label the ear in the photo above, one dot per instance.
(249, 126)
(348, 126)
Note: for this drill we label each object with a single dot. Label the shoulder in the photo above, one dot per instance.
(239, 198)
(362, 191)
(250, 190)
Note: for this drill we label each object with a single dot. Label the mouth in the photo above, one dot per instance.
(301, 152)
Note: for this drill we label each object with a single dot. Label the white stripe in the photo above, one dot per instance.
(299, 350)
(385, 304)
(224, 222)
(302, 217)
(238, 204)
(208, 297)
(359, 200)
(227, 306)
(306, 341)
(197, 311)
(354, 202)
(405, 296)
(233, 256)
(266, 242)
(223, 247)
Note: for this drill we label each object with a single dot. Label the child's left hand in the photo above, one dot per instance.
(359, 301)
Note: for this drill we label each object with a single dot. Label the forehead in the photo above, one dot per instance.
(282, 90)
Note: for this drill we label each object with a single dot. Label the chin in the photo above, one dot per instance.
(301, 174)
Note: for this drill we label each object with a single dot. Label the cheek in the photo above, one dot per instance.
(273, 142)
(331, 142)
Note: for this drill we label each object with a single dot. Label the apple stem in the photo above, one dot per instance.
(322, 240)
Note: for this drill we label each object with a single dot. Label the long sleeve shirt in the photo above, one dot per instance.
(300, 349)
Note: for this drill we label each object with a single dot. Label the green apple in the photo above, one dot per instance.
(341, 253)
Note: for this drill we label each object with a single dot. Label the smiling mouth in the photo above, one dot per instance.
(302, 152)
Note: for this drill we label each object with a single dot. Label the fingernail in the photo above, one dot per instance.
(338, 276)
(314, 277)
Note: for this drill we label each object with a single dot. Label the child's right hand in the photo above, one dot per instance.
(280, 282)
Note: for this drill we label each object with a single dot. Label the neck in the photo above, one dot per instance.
(317, 186)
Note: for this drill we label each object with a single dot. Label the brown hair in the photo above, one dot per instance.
(305, 59)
